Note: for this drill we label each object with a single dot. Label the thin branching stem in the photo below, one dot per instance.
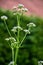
(18, 28)
(23, 40)
(7, 28)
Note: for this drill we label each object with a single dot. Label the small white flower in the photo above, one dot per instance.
(31, 24)
(4, 17)
(15, 28)
(7, 39)
(19, 10)
(20, 5)
(41, 61)
(10, 38)
(27, 31)
(14, 10)
(11, 63)
(24, 9)
(19, 27)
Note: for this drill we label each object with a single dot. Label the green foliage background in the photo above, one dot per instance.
(32, 50)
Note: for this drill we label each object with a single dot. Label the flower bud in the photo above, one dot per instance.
(20, 6)
(24, 9)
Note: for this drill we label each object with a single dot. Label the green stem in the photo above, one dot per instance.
(17, 49)
(7, 28)
(18, 28)
(13, 55)
(23, 40)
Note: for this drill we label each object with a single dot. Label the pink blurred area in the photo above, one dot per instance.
(35, 7)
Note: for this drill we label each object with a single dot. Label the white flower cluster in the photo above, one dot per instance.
(21, 6)
(13, 42)
(27, 31)
(11, 38)
(4, 17)
(19, 9)
(15, 28)
(31, 25)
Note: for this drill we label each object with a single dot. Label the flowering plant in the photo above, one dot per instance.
(15, 42)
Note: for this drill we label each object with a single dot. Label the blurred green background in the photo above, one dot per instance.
(32, 50)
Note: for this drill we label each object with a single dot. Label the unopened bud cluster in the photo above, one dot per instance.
(19, 9)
